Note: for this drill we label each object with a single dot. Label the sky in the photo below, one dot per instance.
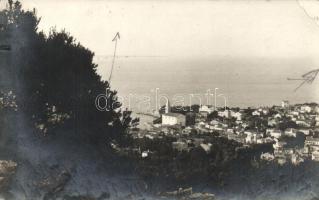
(280, 38)
(188, 28)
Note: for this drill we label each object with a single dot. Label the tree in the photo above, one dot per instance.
(212, 115)
(55, 75)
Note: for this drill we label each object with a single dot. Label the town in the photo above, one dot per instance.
(290, 130)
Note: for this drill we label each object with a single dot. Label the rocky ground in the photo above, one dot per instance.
(35, 167)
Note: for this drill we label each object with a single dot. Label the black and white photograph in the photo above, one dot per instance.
(159, 100)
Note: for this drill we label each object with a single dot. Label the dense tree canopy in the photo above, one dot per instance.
(54, 77)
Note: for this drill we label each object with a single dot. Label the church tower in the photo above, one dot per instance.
(167, 107)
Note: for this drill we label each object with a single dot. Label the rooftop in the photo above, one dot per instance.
(310, 138)
(174, 114)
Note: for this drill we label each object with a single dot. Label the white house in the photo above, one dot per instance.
(302, 123)
(291, 132)
(311, 141)
(285, 104)
(279, 145)
(276, 133)
(225, 113)
(229, 130)
(237, 115)
(214, 122)
(206, 147)
(251, 137)
(305, 108)
(295, 113)
(206, 109)
(281, 160)
(265, 111)
(256, 113)
(315, 156)
(267, 156)
(262, 140)
(173, 119)
(304, 131)
(272, 122)
(145, 154)
(180, 146)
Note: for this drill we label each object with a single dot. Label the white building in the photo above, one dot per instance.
(315, 156)
(256, 113)
(275, 133)
(145, 154)
(206, 109)
(173, 119)
(281, 160)
(271, 122)
(206, 147)
(291, 132)
(279, 145)
(302, 123)
(267, 156)
(180, 146)
(295, 113)
(317, 120)
(237, 115)
(304, 131)
(305, 108)
(265, 111)
(285, 104)
(262, 140)
(312, 141)
(225, 113)
(251, 137)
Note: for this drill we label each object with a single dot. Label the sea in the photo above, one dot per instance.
(144, 83)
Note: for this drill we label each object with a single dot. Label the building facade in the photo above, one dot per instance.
(173, 119)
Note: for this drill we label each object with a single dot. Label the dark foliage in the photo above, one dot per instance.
(54, 76)
(212, 116)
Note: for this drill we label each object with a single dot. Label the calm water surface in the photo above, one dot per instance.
(244, 81)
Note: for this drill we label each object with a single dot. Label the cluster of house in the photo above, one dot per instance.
(305, 117)
(184, 144)
(284, 153)
(311, 147)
